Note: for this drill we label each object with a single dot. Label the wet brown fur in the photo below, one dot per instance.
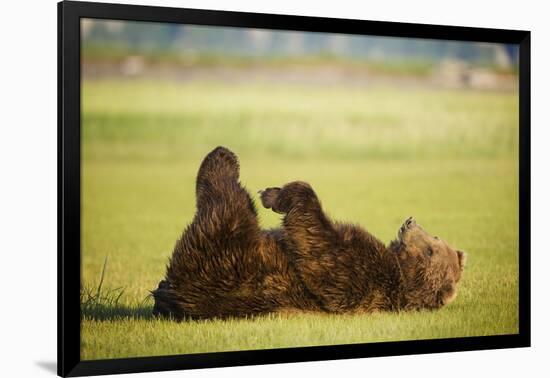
(225, 265)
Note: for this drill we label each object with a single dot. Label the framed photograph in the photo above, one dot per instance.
(240, 188)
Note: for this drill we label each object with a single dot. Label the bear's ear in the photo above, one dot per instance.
(462, 257)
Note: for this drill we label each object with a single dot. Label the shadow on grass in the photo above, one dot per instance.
(101, 312)
(99, 303)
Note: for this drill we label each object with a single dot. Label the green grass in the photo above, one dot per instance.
(374, 156)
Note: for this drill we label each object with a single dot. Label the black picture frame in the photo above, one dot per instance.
(69, 14)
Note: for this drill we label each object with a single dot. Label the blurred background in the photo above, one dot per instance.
(383, 128)
(244, 84)
(189, 52)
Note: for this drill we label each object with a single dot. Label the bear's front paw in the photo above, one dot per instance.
(269, 197)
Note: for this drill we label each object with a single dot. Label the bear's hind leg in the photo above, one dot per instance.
(219, 167)
(223, 204)
(216, 259)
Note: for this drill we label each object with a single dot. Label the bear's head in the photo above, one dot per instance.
(431, 268)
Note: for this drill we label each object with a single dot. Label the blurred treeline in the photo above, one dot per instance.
(159, 38)
(127, 48)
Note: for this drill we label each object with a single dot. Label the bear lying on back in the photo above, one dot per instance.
(225, 265)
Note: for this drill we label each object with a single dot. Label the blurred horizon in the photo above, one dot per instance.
(129, 49)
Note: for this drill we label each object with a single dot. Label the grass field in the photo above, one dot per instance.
(374, 155)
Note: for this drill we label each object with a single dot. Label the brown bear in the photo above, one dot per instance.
(225, 265)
